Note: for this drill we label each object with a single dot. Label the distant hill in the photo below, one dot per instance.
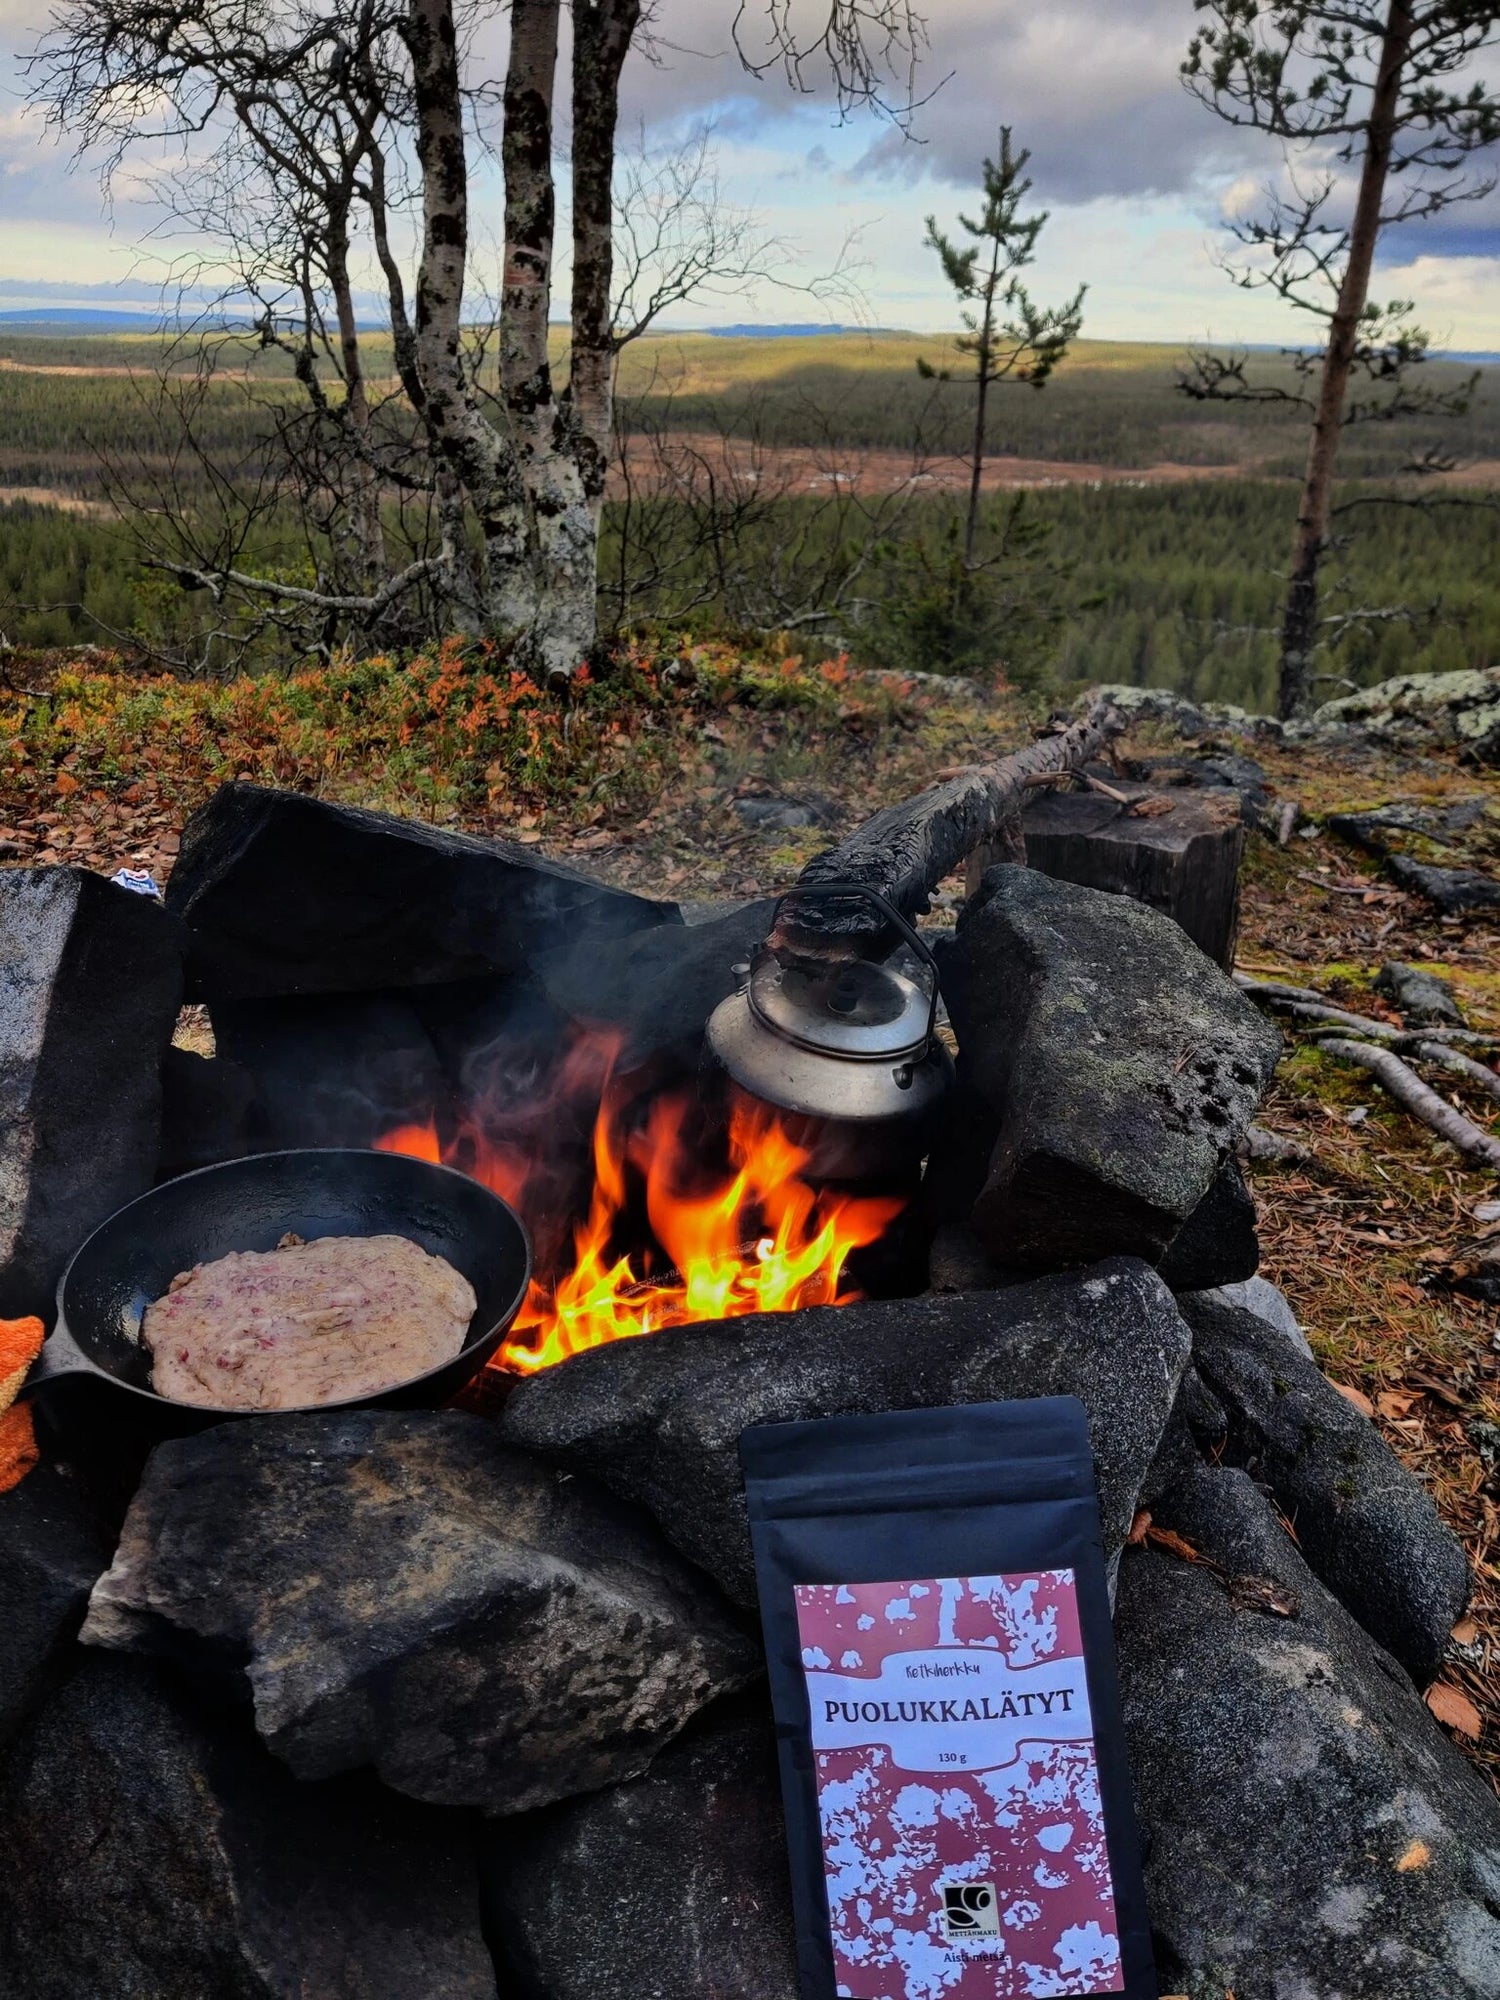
(787, 330)
(79, 319)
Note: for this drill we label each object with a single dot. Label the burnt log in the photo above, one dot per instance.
(1177, 851)
(906, 850)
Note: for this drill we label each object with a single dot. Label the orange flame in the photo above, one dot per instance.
(753, 1237)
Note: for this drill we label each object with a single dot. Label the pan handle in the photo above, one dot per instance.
(60, 1356)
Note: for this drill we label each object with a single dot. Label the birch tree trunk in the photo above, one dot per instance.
(547, 602)
(1300, 621)
(482, 459)
(602, 34)
(366, 530)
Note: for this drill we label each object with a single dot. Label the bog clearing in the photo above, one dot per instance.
(1140, 534)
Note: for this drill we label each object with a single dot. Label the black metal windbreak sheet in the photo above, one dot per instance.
(942, 1668)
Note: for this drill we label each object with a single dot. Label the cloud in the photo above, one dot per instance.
(1091, 86)
(1136, 172)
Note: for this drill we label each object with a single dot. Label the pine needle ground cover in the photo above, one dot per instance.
(639, 777)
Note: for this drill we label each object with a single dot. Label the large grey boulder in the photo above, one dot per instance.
(205, 1112)
(52, 1549)
(1265, 1300)
(673, 1886)
(402, 1590)
(90, 985)
(1122, 1067)
(150, 1855)
(659, 1420)
(1365, 1524)
(1311, 1833)
(283, 893)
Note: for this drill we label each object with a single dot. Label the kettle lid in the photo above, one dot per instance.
(858, 1008)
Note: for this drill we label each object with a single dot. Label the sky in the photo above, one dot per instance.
(1138, 178)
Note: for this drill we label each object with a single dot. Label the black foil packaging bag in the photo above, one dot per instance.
(937, 1628)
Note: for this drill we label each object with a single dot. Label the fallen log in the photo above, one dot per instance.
(1420, 1100)
(906, 850)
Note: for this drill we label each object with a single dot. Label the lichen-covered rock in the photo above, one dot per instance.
(1190, 718)
(659, 1420)
(90, 985)
(1420, 995)
(673, 1885)
(400, 1589)
(1416, 711)
(153, 1853)
(1121, 1065)
(1364, 1523)
(1311, 1834)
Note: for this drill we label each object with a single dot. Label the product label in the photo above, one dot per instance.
(958, 1789)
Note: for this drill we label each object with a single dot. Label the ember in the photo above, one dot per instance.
(667, 1237)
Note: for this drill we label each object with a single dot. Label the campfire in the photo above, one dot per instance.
(688, 1217)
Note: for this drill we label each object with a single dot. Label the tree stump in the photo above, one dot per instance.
(1177, 850)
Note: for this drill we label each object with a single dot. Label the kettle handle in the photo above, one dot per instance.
(822, 891)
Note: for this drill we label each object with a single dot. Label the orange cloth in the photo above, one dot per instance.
(18, 1449)
(20, 1344)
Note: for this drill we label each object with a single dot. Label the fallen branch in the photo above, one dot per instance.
(1276, 989)
(1303, 1004)
(905, 851)
(1320, 1011)
(1422, 1102)
(1344, 888)
(1460, 1064)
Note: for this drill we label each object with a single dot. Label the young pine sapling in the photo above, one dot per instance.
(1008, 337)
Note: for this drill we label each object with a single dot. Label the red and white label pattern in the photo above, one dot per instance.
(958, 1789)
